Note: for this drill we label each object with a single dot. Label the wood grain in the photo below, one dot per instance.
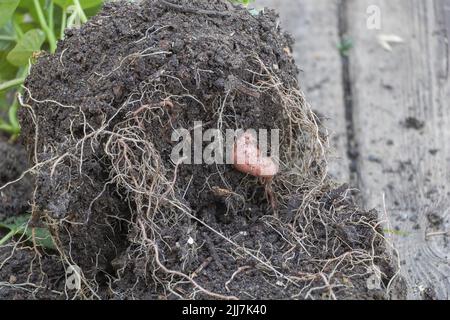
(314, 25)
(401, 114)
(396, 104)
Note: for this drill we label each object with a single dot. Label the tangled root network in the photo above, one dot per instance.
(97, 120)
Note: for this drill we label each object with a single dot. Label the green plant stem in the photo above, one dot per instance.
(50, 14)
(11, 83)
(63, 23)
(12, 112)
(13, 127)
(18, 30)
(8, 236)
(7, 38)
(12, 115)
(6, 128)
(83, 17)
(49, 32)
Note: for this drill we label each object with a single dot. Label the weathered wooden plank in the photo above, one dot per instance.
(401, 118)
(314, 25)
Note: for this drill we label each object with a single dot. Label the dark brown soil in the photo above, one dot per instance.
(22, 265)
(14, 200)
(24, 275)
(109, 202)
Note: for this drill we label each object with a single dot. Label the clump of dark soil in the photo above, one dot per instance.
(15, 198)
(19, 265)
(26, 275)
(97, 120)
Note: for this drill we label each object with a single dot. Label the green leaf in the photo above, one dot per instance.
(396, 232)
(345, 46)
(90, 12)
(15, 223)
(28, 4)
(27, 8)
(7, 8)
(85, 4)
(243, 2)
(18, 225)
(42, 237)
(7, 37)
(8, 72)
(63, 3)
(4, 104)
(22, 52)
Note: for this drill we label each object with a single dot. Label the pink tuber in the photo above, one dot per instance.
(247, 158)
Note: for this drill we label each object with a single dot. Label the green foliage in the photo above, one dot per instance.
(396, 232)
(27, 27)
(30, 42)
(19, 226)
(7, 8)
(243, 2)
(345, 46)
(85, 4)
